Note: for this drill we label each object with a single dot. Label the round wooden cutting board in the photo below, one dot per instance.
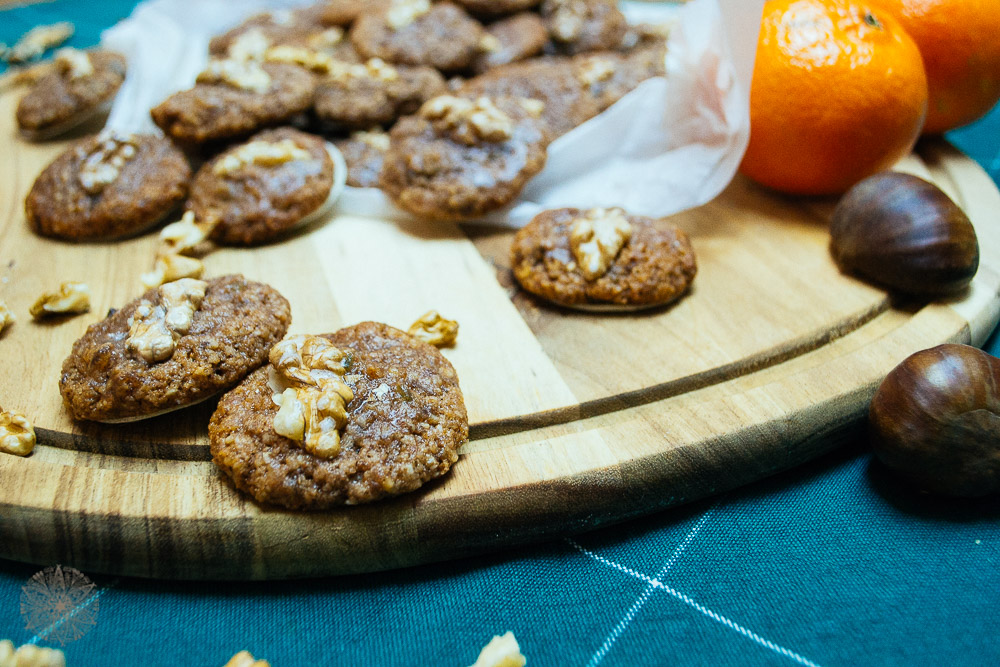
(577, 420)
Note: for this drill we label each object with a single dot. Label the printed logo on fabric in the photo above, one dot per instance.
(59, 604)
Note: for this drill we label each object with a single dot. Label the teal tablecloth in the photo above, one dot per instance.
(833, 563)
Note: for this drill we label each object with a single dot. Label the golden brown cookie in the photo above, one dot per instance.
(578, 26)
(79, 86)
(108, 186)
(514, 38)
(416, 32)
(233, 99)
(460, 158)
(261, 189)
(364, 152)
(602, 257)
(122, 367)
(356, 97)
(404, 424)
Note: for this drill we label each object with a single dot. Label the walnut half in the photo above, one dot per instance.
(471, 121)
(434, 329)
(154, 330)
(72, 297)
(17, 434)
(597, 237)
(263, 153)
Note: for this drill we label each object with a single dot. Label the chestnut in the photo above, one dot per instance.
(904, 233)
(935, 420)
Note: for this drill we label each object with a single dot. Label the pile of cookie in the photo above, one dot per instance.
(446, 106)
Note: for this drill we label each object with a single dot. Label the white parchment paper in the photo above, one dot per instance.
(671, 144)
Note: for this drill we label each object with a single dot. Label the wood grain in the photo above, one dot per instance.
(577, 420)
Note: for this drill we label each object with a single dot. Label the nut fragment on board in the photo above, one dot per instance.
(155, 329)
(312, 411)
(502, 651)
(72, 297)
(471, 121)
(178, 241)
(6, 316)
(434, 329)
(597, 237)
(17, 435)
(35, 42)
(245, 659)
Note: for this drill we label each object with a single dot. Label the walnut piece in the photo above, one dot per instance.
(72, 297)
(245, 659)
(17, 435)
(75, 63)
(311, 59)
(263, 153)
(35, 42)
(404, 12)
(169, 267)
(243, 74)
(471, 121)
(6, 316)
(104, 164)
(154, 330)
(595, 70)
(502, 651)
(313, 409)
(434, 329)
(597, 237)
(489, 43)
(567, 19)
(375, 138)
(375, 69)
(325, 40)
(251, 45)
(177, 241)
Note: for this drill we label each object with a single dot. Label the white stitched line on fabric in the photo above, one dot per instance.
(612, 564)
(653, 583)
(71, 613)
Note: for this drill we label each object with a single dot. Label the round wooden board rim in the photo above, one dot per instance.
(165, 512)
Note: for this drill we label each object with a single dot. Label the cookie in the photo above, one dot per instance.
(356, 97)
(270, 28)
(578, 26)
(607, 77)
(364, 153)
(108, 186)
(514, 38)
(233, 99)
(79, 86)
(402, 426)
(138, 362)
(415, 32)
(602, 257)
(552, 80)
(496, 8)
(460, 158)
(261, 189)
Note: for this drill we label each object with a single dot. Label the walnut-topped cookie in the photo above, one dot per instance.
(176, 345)
(578, 26)
(261, 189)
(459, 158)
(78, 86)
(602, 258)
(346, 418)
(108, 186)
(233, 98)
(511, 40)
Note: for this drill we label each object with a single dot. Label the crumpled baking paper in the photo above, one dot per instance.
(671, 144)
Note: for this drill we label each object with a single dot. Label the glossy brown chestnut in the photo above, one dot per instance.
(935, 419)
(904, 233)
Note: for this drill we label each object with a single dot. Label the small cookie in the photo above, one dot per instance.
(460, 158)
(162, 352)
(415, 32)
(404, 424)
(357, 97)
(578, 26)
(364, 153)
(553, 80)
(602, 257)
(235, 98)
(515, 38)
(108, 186)
(80, 85)
(262, 188)
(496, 8)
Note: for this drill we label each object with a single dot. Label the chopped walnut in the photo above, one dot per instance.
(311, 59)
(251, 45)
(533, 106)
(489, 44)
(169, 267)
(326, 40)
(245, 659)
(375, 138)
(375, 68)
(434, 329)
(154, 330)
(6, 316)
(244, 74)
(404, 12)
(184, 236)
(103, 166)
(72, 297)
(597, 237)
(471, 121)
(502, 651)
(17, 435)
(595, 70)
(263, 153)
(75, 63)
(35, 42)
(313, 410)
(567, 19)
